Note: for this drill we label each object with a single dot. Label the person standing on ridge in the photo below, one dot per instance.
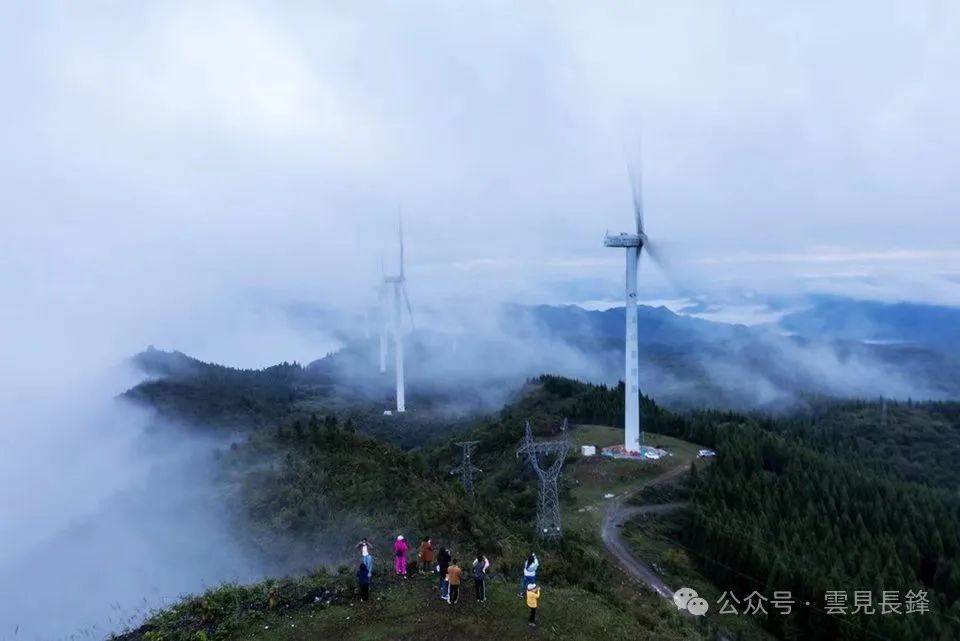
(365, 549)
(480, 566)
(400, 557)
(426, 554)
(533, 595)
(443, 564)
(454, 574)
(530, 568)
(363, 582)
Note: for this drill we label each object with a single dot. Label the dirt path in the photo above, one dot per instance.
(618, 513)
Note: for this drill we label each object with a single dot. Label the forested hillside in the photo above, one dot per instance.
(776, 514)
(213, 396)
(306, 479)
(829, 499)
(208, 396)
(832, 500)
(319, 485)
(915, 441)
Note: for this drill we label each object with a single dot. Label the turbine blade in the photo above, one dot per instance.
(635, 174)
(662, 261)
(653, 250)
(400, 231)
(656, 255)
(637, 188)
(406, 299)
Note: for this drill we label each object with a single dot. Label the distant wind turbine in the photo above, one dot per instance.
(634, 244)
(399, 286)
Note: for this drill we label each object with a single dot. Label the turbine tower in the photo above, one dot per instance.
(399, 286)
(634, 244)
(382, 300)
(548, 499)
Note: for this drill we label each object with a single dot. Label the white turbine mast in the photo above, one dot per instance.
(634, 244)
(399, 286)
(382, 302)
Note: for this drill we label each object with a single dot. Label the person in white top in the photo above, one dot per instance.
(365, 549)
(480, 566)
(530, 568)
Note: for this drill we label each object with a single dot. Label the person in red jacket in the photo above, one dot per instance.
(426, 555)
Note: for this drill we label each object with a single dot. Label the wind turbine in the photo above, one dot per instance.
(634, 244)
(399, 286)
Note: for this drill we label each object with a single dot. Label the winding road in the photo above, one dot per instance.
(618, 513)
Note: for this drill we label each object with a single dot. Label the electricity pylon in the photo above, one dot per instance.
(548, 501)
(466, 468)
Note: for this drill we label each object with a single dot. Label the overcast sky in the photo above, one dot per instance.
(164, 160)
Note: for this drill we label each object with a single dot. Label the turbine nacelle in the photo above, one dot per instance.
(625, 240)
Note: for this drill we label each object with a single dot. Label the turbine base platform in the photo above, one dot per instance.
(645, 453)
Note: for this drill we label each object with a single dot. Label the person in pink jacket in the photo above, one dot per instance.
(400, 556)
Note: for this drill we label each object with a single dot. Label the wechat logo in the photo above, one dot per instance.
(688, 599)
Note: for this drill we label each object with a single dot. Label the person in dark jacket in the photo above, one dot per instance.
(363, 581)
(443, 564)
(480, 566)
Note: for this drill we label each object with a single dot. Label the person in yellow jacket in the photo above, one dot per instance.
(533, 594)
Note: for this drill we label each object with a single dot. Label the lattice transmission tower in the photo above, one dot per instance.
(548, 500)
(466, 467)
